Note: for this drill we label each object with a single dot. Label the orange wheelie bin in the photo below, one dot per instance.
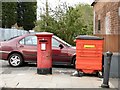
(89, 53)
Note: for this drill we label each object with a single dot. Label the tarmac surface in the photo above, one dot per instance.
(27, 77)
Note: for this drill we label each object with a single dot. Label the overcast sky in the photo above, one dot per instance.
(53, 3)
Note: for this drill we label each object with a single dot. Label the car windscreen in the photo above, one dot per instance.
(62, 41)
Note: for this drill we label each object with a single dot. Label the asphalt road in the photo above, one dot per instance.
(5, 68)
(31, 67)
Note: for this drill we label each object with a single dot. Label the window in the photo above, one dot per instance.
(99, 25)
(22, 41)
(62, 41)
(107, 25)
(55, 43)
(119, 11)
(30, 40)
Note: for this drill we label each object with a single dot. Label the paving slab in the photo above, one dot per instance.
(26, 77)
(47, 85)
(64, 85)
(50, 81)
(115, 82)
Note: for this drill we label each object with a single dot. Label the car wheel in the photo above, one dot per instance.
(15, 60)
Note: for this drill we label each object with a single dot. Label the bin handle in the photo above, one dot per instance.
(89, 56)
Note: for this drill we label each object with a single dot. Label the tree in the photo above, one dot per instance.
(68, 22)
(77, 21)
(22, 13)
(26, 15)
(8, 14)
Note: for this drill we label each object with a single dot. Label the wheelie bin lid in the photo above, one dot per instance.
(88, 37)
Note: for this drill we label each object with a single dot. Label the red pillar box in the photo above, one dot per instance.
(89, 53)
(44, 53)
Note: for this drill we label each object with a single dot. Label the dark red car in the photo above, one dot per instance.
(24, 49)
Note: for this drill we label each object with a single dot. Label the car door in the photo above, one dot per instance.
(59, 55)
(28, 47)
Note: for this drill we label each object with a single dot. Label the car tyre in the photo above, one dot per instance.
(15, 60)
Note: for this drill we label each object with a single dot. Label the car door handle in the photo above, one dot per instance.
(21, 46)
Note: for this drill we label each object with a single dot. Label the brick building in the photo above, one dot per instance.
(107, 23)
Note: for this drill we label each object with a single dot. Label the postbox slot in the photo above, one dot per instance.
(43, 40)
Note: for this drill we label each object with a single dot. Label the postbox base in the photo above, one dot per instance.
(44, 71)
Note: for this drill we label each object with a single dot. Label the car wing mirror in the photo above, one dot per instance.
(61, 46)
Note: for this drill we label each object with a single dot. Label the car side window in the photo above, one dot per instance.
(31, 40)
(22, 41)
(55, 43)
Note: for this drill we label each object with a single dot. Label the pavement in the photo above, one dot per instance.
(26, 77)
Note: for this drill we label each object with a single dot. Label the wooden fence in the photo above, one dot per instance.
(111, 42)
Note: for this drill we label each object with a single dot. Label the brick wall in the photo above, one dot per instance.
(101, 9)
(119, 18)
(108, 14)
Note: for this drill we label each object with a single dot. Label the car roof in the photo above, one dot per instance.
(33, 34)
